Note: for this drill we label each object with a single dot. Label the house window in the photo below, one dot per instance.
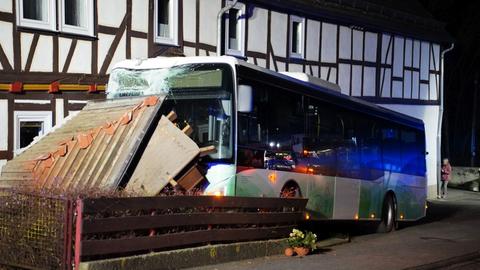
(166, 22)
(38, 14)
(75, 16)
(28, 125)
(296, 37)
(235, 31)
(28, 131)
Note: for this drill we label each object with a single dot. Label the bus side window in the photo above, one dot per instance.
(348, 156)
(391, 149)
(322, 133)
(370, 151)
(251, 158)
(413, 159)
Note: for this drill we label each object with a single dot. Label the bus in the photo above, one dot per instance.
(278, 135)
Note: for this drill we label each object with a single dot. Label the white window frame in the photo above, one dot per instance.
(85, 31)
(240, 31)
(49, 24)
(30, 116)
(173, 23)
(301, 21)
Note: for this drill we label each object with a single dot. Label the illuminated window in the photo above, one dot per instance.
(166, 22)
(296, 36)
(235, 30)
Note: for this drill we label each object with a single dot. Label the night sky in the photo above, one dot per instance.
(462, 67)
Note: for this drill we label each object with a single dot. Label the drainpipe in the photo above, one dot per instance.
(440, 117)
(219, 25)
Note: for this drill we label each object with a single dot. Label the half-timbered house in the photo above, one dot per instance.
(56, 54)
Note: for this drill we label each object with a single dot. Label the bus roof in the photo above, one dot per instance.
(328, 94)
(332, 95)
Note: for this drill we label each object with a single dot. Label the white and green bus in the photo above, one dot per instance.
(276, 135)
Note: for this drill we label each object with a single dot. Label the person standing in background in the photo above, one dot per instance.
(446, 172)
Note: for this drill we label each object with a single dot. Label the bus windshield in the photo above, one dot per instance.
(200, 94)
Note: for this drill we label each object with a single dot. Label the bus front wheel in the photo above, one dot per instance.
(388, 222)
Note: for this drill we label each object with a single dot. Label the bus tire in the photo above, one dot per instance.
(291, 190)
(388, 222)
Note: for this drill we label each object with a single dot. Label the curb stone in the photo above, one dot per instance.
(201, 256)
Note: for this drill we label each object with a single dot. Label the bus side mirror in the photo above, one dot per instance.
(245, 98)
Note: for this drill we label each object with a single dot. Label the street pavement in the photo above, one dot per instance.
(448, 238)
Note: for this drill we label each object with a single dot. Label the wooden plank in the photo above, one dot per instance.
(166, 155)
(116, 224)
(148, 203)
(190, 179)
(103, 247)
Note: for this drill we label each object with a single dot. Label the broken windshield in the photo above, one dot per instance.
(200, 94)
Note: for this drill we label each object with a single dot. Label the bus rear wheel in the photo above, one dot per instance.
(388, 222)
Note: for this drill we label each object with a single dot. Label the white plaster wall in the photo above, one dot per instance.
(435, 57)
(43, 57)
(424, 91)
(429, 115)
(398, 57)
(189, 20)
(59, 102)
(357, 53)
(416, 53)
(104, 43)
(189, 51)
(115, 9)
(424, 61)
(313, 39)
(345, 43)
(407, 87)
(433, 86)
(371, 46)
(314, 71)
(3, 124)
(295, 68)
(257, 30)
(26, 41)
(369, 75)
(120, 53)
(397, 89)
(140, 15)
(208, 21)
(356, 80)
(415, 84)
(343, 78)
(279, 23)
(6, 6)
(408, 52)
(385, 77)
(329, 42)
(139, 48)
(81, 58)
(386, 50)
(6, 40)
(63, 48)
(262, 62)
